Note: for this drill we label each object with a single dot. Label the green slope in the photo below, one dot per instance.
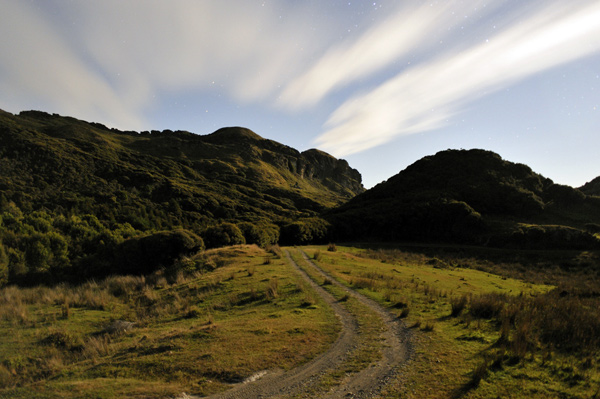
(61, 163)
(472, 197)
(59, 175)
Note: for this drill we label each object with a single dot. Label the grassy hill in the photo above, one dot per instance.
(70, 189)
(592, 187)
(232, 173)
(475, 197)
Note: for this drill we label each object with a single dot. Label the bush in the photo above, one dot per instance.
(144, 255)
(3, 266)
(223, 235)
(487, 306)
(262, 235)
(305, 231)
(458, 305)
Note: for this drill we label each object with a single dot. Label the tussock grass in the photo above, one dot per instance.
(484, 327)
(191, 332)
(458, 304)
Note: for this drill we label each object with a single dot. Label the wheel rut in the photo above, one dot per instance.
(299, 381)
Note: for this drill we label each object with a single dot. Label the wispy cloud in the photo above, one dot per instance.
(424, 97)
(411, 29)
(35, 62)
(111, 60)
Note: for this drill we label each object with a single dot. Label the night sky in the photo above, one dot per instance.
(378, 83)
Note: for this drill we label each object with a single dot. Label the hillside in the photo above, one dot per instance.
(470, 196)
(59, 175)
(232, 173)
(592, 187)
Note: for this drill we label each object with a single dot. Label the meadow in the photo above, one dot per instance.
(480, 326)
(479, 334)
(193, 333)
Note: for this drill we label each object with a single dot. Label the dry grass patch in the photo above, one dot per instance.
(478, 334)
(193, 332)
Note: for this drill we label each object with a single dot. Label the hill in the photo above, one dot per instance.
(592, 187)
(470, 196)
(232, 173)
(93, 187)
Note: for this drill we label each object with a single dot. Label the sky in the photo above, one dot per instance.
(378, 83)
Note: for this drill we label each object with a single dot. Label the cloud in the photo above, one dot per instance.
(34, 59)
(112, 60)
(412, 28)
(424, 97)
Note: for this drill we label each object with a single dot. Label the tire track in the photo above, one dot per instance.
(364, 384)
(368, 382)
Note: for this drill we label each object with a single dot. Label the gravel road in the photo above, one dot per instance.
(367, 383)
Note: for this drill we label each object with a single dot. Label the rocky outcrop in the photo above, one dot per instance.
(334, 173)
(312, 165)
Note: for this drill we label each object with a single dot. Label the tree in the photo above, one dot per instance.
(223, 235)
(38, 255)
(261, 235)
(3, 266)
(148, 253)
(305, 231)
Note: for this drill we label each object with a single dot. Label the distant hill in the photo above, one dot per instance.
(55, 162)
(592, 187)
(470, 196)
(71, 189)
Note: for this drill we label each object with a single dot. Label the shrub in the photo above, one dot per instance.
(222, 235)
(487, 306)
(317, 255)
(146, 254)
(458, 304)
(262, 235)
(305, 231)
(272, 291)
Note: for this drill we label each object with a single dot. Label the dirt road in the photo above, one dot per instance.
(367, 383)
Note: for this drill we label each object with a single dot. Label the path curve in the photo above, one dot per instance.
(396, 350)
(364, 384)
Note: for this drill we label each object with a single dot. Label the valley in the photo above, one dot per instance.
(167, 264)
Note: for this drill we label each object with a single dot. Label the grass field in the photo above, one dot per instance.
(477, 334)
(192, 334)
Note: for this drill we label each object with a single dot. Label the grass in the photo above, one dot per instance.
(191, 333)
(479, 334)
